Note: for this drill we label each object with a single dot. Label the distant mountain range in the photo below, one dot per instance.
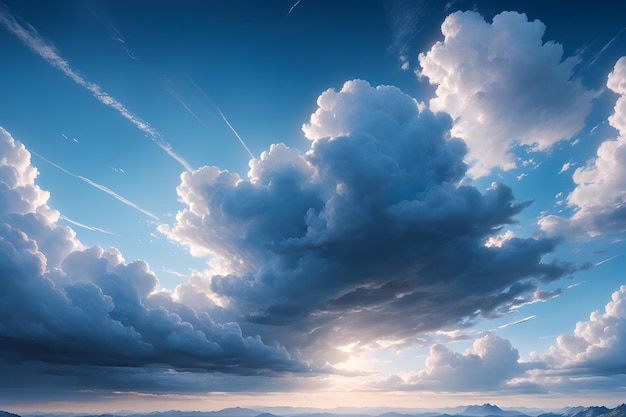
(485, 410)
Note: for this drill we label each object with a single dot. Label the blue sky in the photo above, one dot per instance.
(379, 203)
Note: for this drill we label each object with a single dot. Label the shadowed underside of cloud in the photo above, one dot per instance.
(599, 198)
(368, 235)
(64, 306)
(504, 87)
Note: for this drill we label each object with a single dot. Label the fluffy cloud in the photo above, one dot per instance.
(79, 312)
(597, 346)
(503, 86)
(593, 357)
(353, 240)
(599, 199)
(491, 364)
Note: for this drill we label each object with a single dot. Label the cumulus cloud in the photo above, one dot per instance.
(352, 241)
(503, 86)
(592, 357)
(65, 306)
(490, 364)
(599, 199)
(597, 346)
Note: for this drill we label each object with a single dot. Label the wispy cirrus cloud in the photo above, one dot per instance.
(99, 187)
(292, 7)
(221, 113)
(185, 106)
(50, 54)
(84, 226)
(513, 323)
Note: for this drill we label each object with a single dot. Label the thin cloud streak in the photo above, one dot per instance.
(604, 48)
(118, 38)
(175, 273)
(225, 119)
(182, 103)
(100, 187)
(513, 323)
(49, 53)
(292, 7)
(84, 226)
(606, 260)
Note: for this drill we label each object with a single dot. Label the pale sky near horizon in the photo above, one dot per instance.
(207, 204)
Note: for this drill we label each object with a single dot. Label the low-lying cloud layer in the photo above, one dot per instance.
(591, 358)
(368, 235)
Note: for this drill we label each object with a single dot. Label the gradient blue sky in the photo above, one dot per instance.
(402, 203)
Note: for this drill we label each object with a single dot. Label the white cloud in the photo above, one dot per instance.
(597, 347)
(499, 240)
(490, 364)
(566, 166)
(503, 86)
(600, 194)
(592, 358)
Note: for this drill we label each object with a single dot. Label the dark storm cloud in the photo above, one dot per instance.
(78, 312)
(369, 235)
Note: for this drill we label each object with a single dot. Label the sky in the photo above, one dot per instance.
(208, 204)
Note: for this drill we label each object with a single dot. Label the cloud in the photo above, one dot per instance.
(597, 346)
(504, 87)
(50, 54)
(353, 240)
(604, 48)
(407, 20)
(490, 364)
(599, 199)
(524, 320)
(590, 359)
(71, 314)
(117, 36)
(566, 166)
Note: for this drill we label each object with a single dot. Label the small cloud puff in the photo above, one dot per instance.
(503, 86)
